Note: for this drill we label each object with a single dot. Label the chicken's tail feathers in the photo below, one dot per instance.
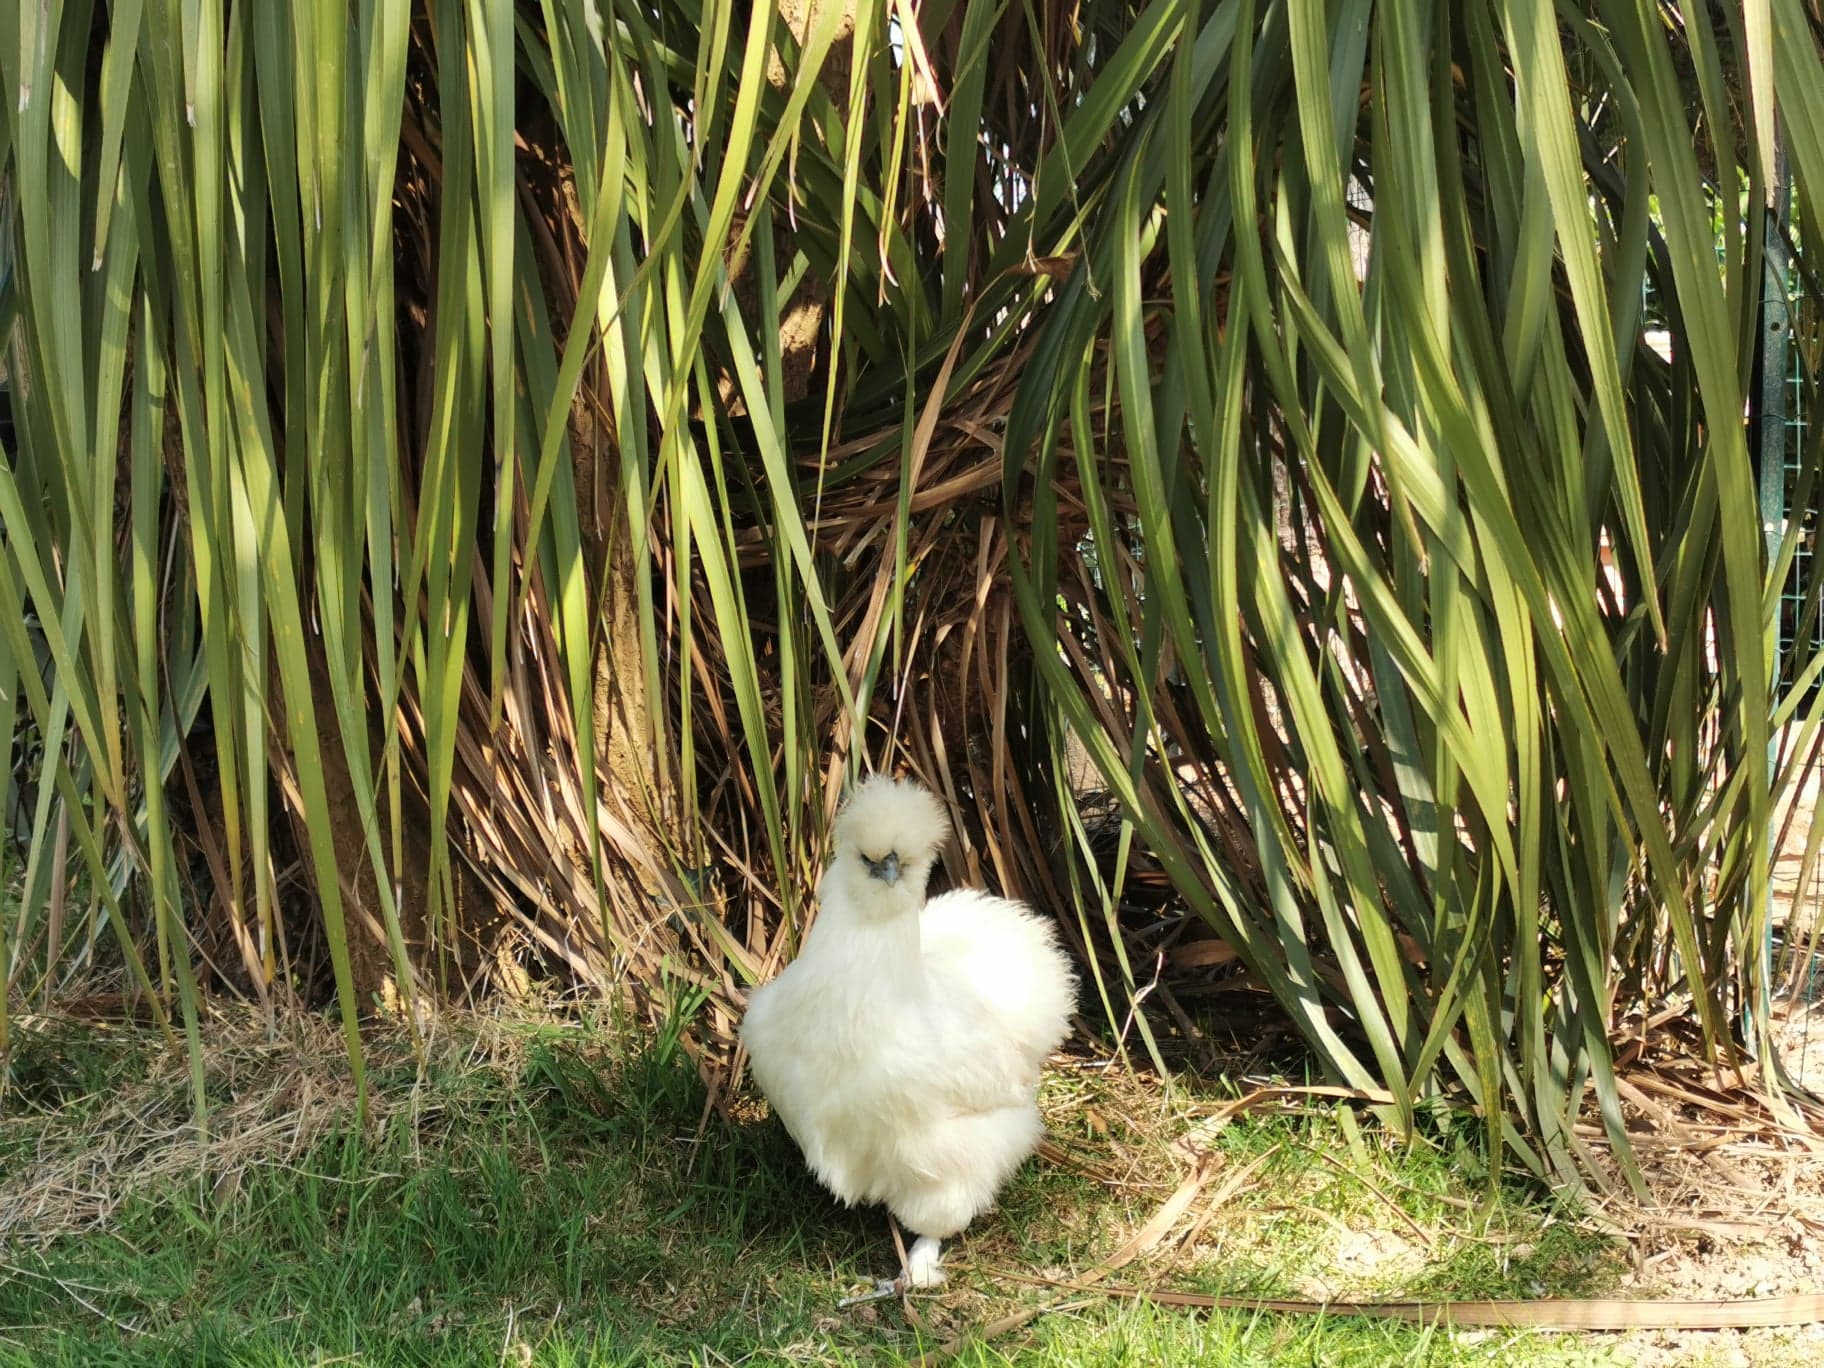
(901, 813)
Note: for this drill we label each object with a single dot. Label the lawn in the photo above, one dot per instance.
(529, 1191)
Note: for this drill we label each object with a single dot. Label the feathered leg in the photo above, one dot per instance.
(921, 1263)
(917, 1267)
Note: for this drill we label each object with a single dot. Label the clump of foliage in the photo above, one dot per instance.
(486, 473)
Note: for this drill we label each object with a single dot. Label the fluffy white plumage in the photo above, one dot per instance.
(902, 1047)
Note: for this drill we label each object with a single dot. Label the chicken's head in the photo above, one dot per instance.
(886, 839)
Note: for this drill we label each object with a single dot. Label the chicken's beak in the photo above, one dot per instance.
(886, 869)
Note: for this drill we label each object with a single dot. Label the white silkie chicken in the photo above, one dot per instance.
(902, 1047)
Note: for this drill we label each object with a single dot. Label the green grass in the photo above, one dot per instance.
(528, 1195)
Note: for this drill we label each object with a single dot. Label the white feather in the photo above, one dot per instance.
(902, 1047)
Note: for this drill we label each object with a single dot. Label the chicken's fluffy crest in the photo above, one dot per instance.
(885, 815)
